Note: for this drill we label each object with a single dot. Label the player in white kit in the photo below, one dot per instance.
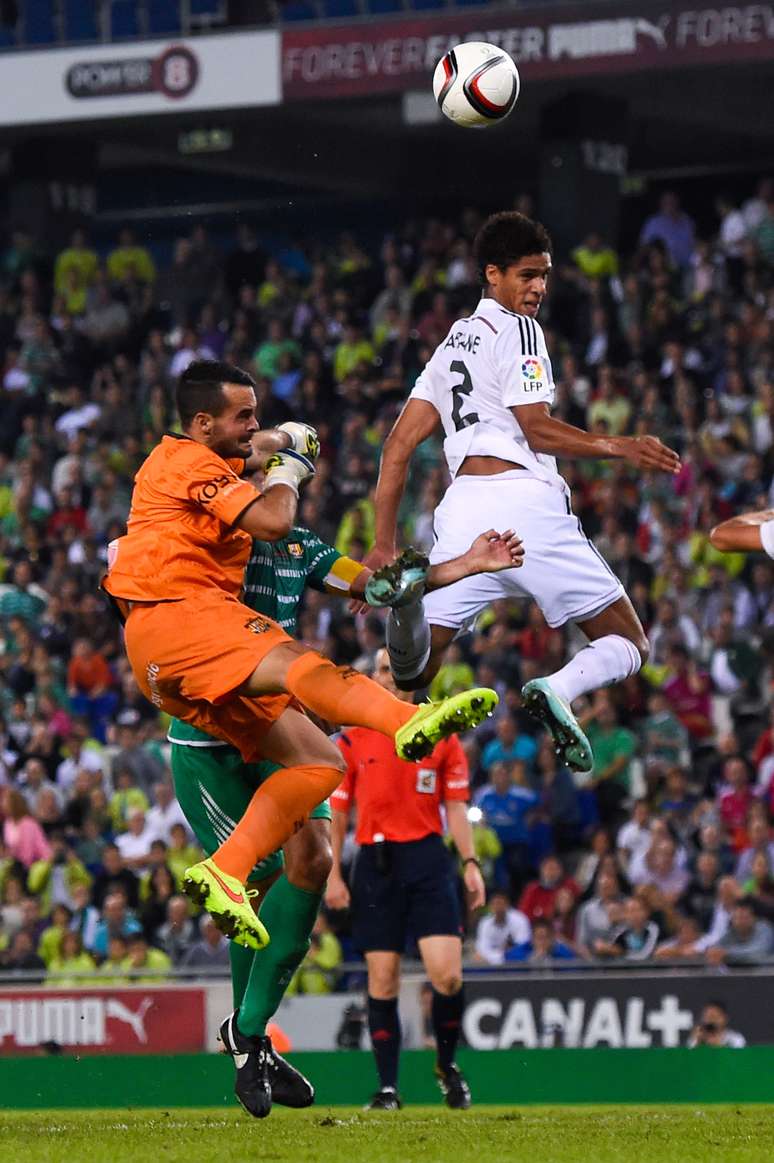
(491, 387)
(746, 533)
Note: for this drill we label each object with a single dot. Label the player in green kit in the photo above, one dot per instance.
(214, 786)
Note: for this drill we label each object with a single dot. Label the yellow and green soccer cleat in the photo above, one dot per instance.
(435, 721)
(227, 901)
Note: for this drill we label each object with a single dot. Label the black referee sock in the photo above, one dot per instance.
(447, 1024)
(384, 1027)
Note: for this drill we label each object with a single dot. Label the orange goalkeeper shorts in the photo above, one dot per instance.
(191, 656)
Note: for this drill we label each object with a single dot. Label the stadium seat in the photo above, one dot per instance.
(382, 7)
(422, 5)
(163, 18)
(38, 22)
(80, 20)
(333, 9)
(123, 19)
(469, 3)
(7, 37)
(207, 11)
(299, 10)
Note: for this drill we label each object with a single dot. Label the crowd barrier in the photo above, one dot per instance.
(631, 1009)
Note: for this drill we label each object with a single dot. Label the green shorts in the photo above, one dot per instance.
(213, 786)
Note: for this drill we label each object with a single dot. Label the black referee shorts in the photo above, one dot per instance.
(401, 891)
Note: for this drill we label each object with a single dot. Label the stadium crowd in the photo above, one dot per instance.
(666, 852)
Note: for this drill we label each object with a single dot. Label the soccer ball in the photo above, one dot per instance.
(476, 84)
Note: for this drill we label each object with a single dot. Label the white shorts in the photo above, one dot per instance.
(562, 571)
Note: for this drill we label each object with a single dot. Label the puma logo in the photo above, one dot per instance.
(117, 1009)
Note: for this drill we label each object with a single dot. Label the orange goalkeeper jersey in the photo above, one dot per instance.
(180, 534)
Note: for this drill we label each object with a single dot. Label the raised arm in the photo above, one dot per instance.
(417, 421)
(292, 434)
(271, 515)
(266, 441)
(287, 455)
(745, 533)
(546, 433)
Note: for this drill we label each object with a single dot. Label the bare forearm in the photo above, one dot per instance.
(459, 828)
(266, 442)
(389, 492)
(742, 533)
(561, 439)
(448, 572)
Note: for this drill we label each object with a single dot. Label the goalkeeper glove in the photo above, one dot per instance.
(287, 468)
(303, 438)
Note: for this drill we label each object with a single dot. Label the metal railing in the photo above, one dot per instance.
(178, 974)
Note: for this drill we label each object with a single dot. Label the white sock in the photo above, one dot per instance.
(602, 662)
(408, 641)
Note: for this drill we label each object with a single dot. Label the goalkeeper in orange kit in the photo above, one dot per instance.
(203, 656)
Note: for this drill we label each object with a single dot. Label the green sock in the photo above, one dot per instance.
(289, 914)
(241, 964)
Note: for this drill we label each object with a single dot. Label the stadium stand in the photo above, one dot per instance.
(646, 861)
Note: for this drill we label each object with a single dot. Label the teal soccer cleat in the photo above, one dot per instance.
(549, 708)
(400, 582)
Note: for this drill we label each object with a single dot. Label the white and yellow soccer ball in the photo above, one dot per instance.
(476, 84)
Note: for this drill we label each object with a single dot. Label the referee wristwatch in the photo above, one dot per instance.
(472, 860)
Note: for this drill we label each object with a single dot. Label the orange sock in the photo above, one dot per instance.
(342, 695)
(278, 807)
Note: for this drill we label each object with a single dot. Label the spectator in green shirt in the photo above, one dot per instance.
(353, 350)
(126, 799)
(613, 748)
(144, 963)
(66, 969)
(594, 259)
(76, 265)
(128, 260)
(276, 344)
(317, 972)
(22, 598)
(114, 964)
(453, 677)
(609, 404)
(50, 943)
(664, 738)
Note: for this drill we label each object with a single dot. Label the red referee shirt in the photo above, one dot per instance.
(395, 799)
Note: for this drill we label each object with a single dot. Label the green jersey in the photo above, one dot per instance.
(276, 576)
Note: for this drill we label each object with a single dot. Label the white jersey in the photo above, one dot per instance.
(488, 363)
(767, 538)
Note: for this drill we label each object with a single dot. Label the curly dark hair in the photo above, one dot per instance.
(507, 237)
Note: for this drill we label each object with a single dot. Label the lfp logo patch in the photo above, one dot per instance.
(532, 369)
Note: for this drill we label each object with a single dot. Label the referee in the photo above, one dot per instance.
(404, 885)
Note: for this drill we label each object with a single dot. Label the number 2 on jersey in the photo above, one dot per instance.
(459, 392)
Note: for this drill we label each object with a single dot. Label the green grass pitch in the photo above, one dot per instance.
(667, 1134)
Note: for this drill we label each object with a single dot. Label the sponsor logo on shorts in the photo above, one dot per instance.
(258, 625)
